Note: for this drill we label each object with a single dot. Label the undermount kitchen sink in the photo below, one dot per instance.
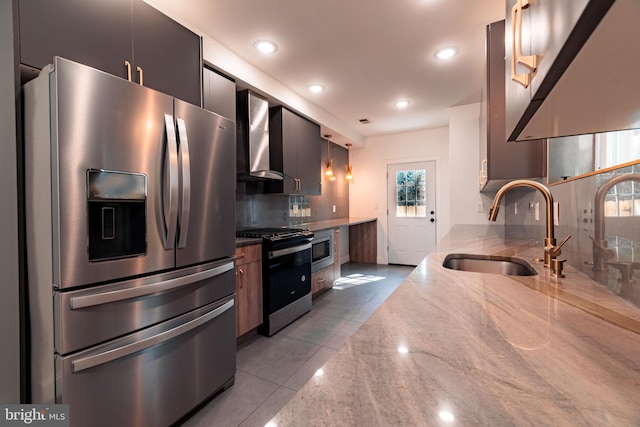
(492, 264)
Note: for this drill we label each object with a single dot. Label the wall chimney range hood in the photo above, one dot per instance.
(252, 118)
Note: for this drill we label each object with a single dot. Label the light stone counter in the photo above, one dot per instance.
(334, 223)
(490, 350)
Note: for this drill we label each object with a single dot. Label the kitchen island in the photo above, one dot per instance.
(483, 349)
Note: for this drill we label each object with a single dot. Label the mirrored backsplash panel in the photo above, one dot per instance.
(601, 212)
(577, 155)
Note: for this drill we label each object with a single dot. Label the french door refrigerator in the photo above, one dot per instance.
(129, 197)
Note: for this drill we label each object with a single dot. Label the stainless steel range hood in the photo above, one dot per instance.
(252, 117)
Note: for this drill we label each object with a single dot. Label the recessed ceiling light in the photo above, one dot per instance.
(265, 46)
(402, 103)
(446, 53)
(316, 88)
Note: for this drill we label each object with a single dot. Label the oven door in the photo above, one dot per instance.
(287, 276)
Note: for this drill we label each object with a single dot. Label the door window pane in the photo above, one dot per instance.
(411, 190)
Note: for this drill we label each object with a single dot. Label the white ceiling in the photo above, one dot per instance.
(367, 53)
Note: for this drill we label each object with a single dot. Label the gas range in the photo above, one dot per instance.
(276, 234)
(286, 275)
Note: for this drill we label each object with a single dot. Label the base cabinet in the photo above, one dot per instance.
(322, 280)
(248, 288)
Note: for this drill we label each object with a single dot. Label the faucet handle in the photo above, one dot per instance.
(555, 251)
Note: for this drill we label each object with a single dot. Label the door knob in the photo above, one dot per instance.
(432, 220)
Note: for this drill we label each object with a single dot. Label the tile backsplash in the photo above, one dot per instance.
(256, 209)
(578, 217)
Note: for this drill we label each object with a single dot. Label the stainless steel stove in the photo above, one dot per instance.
(286, 275)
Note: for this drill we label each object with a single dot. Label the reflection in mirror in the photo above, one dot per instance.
(616, 239)
(617, 197)
(573, 156)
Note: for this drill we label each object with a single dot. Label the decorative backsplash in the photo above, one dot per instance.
(612, 260)
(256, 209)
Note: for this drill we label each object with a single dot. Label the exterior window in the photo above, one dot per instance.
(411, 192)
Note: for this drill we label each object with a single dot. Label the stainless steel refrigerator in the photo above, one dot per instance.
(130, 217)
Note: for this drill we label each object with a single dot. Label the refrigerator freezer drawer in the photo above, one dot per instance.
(152, 377)
(90, 316)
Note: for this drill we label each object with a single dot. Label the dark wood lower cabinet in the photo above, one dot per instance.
(322, 280)
(363, 242)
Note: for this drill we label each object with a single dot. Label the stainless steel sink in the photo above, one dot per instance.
(489, 264)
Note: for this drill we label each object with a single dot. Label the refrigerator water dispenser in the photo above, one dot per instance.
(117, 214)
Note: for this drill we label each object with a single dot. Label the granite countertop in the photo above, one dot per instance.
(312, 226)
(333, 223)
(245, 241)
(486, 349)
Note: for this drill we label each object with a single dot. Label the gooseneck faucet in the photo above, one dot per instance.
(601, 253)
(551, 250)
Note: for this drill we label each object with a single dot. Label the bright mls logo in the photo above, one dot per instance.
(37, 415)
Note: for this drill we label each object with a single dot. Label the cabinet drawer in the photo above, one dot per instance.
(322, 280)
(181, 361)
(250, 253)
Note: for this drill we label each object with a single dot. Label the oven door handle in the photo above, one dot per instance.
(140, 291)
(287, 251)
(120, 352)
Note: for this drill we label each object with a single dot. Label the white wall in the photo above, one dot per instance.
(464, 166)
(368, 193)
(457, 154)
(221, 58)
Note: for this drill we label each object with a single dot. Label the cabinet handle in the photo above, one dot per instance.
(322, 280)
(139, 70)
(128, 65)
(483, 169)
(529, 61)
(241, 271)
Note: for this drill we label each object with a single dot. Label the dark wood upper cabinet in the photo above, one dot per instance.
(219, 94)
(168, 53)
(295, 145)
(584, 79)
(105, 34)
(95, 33)
(502, 161)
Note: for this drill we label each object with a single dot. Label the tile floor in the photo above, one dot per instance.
(271, 370)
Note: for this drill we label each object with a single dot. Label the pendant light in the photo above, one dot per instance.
(349, 176)
(328, 173)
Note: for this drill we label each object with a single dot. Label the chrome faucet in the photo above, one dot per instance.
(551, 249)
(601, 253)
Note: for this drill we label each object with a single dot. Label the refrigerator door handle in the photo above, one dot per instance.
(79, 302)
(120, 352)
(170, 194)
(185, 175)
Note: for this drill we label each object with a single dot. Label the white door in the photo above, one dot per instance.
(411, 211)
